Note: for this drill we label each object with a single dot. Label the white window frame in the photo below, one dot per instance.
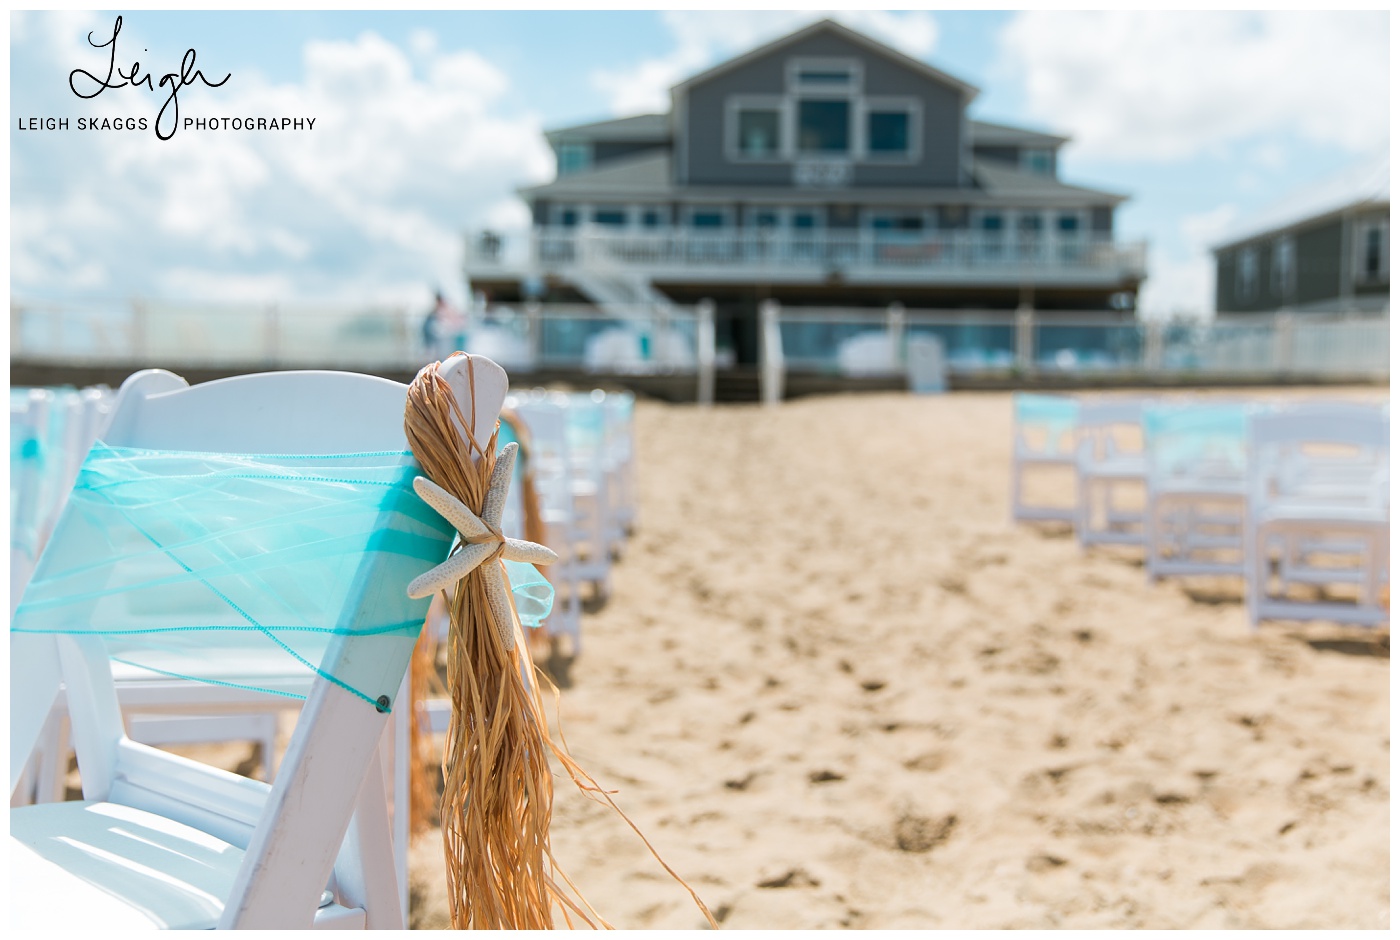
(595, 208)
(557, 210)
(818, 217)
(1247, 288)
(1283, 266)
(799, 64)
(1084, 217)
(751, 223)
(1363, 233)
(1023, 161)
(587, 148)
(909, 105)
(726, 213)
(662, 214)
(733, 146)
(853, 128)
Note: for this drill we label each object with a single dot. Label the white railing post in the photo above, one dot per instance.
(532, 331)
(1025, 337)
(894, 327)
(705, 353)
(770, 353)
(1152, 346)
(1283, 343)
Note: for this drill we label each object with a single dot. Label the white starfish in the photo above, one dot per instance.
(482, 542)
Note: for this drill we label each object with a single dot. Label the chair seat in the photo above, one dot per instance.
(1126, 467)
(116, 868)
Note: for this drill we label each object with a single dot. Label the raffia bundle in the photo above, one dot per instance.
(498, 795)
(423, 676)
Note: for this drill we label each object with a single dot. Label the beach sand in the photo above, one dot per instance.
(835, 687)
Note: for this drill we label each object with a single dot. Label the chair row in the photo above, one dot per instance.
(51, 430)
(581, 458)
(1293, 496)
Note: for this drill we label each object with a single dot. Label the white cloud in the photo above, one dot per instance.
(1166, 86)
(411, 147)
(704, 38)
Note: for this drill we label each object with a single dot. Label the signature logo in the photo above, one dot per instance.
(134, 77)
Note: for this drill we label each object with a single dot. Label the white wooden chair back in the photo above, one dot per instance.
(1325, 454)
(1109, 429)
(293, 833)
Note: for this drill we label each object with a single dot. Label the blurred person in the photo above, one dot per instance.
(444, 328)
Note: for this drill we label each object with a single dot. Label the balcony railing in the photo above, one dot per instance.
(562, 248)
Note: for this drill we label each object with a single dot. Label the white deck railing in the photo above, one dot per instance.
(739, 250)
(677, 340)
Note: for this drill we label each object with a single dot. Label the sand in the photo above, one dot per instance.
(837, 688)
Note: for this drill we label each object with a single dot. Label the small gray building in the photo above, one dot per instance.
(822, 169)
(1326, 249)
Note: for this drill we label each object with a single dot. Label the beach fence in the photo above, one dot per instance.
(1029, 343)
(677, 343)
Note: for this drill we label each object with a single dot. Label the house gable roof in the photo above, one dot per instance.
(829, 26)
(989, 134)
(1362, 186)
(639, 127)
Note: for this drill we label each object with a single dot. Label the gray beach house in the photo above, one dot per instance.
(1325, 249)
(824, 169)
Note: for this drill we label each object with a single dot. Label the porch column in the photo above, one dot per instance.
(705, 353)
(1024, 336)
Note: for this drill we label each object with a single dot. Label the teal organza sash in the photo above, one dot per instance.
(250, 571)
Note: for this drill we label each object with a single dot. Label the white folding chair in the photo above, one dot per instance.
(1319, 486)
(547, 418)
(1109, 458)
(1195, 488)
(618, 467)
(160, 840)
(1043, 434)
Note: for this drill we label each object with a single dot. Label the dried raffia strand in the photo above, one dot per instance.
(498, 796)
(421, 789)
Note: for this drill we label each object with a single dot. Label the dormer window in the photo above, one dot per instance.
(574, 158)
(841, 76)
(1039, 161)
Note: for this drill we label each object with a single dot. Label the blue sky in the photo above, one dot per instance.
(428, 121)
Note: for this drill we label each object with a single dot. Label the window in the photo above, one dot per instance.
(824, 75)
(611, 217)
(706, 219)
(1038, 161)
(824, 126)
(568, 218)
(804, 220)
(758, 132)
(1373, 263)
(651, 218)
(888, 132)
(765, 218)
(897, 223)
(1031, 223)
(1246, 274)
(991, 222)
(574, 158)
(1068, 223)
(1282, 267)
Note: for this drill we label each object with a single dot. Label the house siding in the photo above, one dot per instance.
(1319, 262)
(1317, 265)
(705, 162)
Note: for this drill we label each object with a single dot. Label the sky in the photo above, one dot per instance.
(427, 122)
